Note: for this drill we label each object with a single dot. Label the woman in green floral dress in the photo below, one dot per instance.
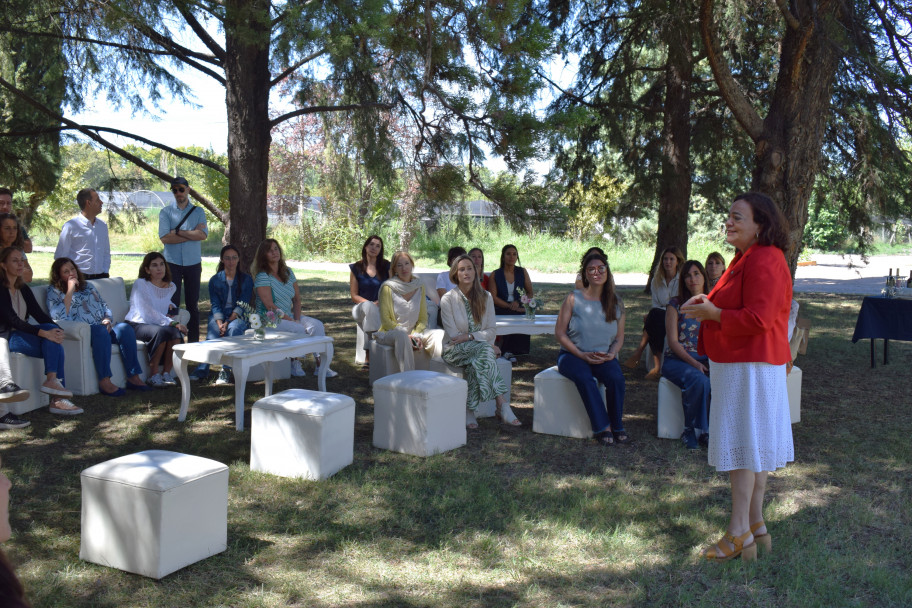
(467, 314)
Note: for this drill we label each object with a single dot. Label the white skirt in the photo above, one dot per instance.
(749, 422)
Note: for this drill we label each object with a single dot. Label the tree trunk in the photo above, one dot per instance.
(675, 189)
(247, 36)
(787, 156)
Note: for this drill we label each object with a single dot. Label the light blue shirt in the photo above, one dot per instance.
(187, 253)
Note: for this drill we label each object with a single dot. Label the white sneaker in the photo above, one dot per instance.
(168, 379)
(156, 381)
(296, 370)
(331, 373)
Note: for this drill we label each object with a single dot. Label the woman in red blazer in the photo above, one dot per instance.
(743, 331)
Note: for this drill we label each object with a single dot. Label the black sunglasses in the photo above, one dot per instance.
(178, 189)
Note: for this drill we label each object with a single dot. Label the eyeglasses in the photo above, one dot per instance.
(178, 189)
(230, 258)
(597, 270)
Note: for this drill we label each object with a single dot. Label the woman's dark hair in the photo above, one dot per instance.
(592, 250)
(57, 281)
(383, 265)
(683, 293)
(261, 264)
(20, 240)
(12, 595)
(504, 250)
(147, 262)
(4, 256)
(221, 264)
(453, 253)
(477, 296)
(608, 297)
(767, 215)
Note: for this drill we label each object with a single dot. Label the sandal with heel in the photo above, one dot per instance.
(507, 416)
(721, 553)
(471, 422)
(765, 540)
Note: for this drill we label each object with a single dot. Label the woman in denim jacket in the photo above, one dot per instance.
(228, 286)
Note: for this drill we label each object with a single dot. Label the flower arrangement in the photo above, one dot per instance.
(532, 305)
(257, 323)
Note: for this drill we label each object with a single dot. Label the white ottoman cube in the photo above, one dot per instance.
(671, 411)
(419, 412)
(383, 361)
(485, 409)
(793, 382)
(154, 512)
(301, 433)
(559, 409)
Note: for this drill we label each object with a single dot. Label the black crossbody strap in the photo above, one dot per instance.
(184, 219)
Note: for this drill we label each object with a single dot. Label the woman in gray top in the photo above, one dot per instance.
(590, 329)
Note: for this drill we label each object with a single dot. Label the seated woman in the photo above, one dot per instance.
(227, 287)
(683, 365)
(590, 330)
(503, 285)
(277, 290)
(367, 275)
(664, 286)
(715, 267)
(579, 277)
(10, 392)
(71, 298)
(468, 321)
(43, 341)
(11, 236)
(149, 316)
(477, 256)
(444, 283)
(403, 315)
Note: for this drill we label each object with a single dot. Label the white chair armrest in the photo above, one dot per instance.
(75, 330)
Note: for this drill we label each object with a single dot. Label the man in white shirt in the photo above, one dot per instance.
(84, 239)
(6, 206)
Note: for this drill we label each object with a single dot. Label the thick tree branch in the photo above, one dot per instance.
(319, 109)
(787, 14)
(290, 69)
(734, 97)
(110, 146)
(201, 32)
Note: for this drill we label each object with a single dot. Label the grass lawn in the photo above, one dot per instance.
(511, 519)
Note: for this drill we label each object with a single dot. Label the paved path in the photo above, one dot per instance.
(833, 273)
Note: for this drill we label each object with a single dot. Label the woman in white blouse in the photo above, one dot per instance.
(150, 307)
(467, 313)
(664, 287)
(403, 315)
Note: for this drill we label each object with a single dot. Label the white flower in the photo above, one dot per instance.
(255, 321)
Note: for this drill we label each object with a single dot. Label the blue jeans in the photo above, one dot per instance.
(123, 336)
(235, 328)
(33, 346)
(586, 378)
(694, 386)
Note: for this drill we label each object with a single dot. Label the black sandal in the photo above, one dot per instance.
(605, 438)
(621, 437)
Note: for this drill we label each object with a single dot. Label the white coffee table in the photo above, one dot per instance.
(519, 324)
(243, 353)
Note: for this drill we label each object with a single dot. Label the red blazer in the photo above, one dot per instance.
(755, 295)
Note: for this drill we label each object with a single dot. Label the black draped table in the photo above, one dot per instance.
(886, 318)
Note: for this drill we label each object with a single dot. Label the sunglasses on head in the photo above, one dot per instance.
(178, 189)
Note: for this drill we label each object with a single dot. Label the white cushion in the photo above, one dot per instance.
(383, 361)
(154, 512)
(670, 414)
(419, 412)
(302, 433)
(559, 409)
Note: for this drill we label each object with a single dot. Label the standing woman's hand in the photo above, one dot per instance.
(701, 308)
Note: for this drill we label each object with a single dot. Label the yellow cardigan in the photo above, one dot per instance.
(388, 313)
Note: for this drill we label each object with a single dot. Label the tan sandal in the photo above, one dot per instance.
(721, 553)
(763, 540)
